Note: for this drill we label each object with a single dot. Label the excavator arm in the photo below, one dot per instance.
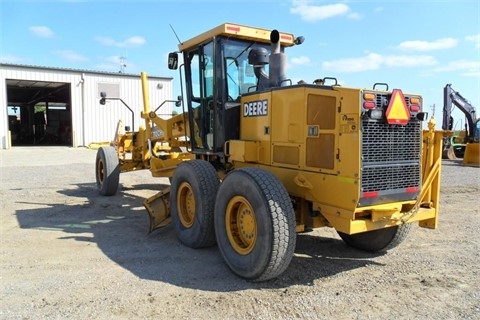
(471, 145)
(452, 97)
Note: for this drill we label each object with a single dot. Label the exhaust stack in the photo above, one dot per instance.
(278, 62)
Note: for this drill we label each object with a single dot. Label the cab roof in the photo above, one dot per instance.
(237, 31)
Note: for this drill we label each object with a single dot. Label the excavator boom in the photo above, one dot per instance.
(469, 146)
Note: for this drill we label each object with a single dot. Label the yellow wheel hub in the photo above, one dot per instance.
(241, 225)
(186, 205)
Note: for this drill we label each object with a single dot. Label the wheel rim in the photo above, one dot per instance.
(241, 225)
(100, 171)
(186, 205)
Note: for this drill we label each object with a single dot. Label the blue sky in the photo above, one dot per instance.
(417, 46)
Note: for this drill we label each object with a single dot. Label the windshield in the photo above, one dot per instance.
(239, 74)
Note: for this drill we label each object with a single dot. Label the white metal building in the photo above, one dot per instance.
(55, 106)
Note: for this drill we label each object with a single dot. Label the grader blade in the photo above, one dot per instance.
(158, 207)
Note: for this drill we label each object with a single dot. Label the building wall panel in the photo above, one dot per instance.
(91, 122)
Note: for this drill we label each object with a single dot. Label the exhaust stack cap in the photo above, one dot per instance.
(274, 39)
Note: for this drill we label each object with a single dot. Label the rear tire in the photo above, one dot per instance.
(192, 200)
(377, 240)
(107, 171)
(255, 224)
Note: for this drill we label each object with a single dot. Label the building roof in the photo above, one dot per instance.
(71, 70)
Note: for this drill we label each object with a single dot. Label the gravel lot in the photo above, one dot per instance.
(68, 253)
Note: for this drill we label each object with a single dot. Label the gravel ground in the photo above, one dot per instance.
(68, 253)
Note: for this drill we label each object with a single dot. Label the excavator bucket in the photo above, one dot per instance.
(449, 153)
(158, 207)
(472, 155)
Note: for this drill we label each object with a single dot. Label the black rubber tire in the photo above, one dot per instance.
(202, 178)
(273, 249)
(377, 240)
(107, 171)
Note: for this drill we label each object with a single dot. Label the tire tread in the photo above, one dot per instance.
(112, 171)
(205, 175)
(284, 236)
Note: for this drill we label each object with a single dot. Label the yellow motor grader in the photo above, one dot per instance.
(255, 158)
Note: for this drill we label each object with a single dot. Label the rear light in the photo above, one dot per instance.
(369, 96)
(369, 100)
(415, 104)
(369, 104)
(370, 194)
(415, 100)
(412, 189)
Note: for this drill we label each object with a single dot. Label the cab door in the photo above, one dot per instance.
(199, 68)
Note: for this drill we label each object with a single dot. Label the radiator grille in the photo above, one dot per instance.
(390, 178)
(390, 156)
(382, 142)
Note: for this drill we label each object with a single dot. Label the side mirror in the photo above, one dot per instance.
(172, 61)
(299, 40)
(178, 103)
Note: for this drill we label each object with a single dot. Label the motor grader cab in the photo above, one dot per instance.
(464, 143)
(273, 158)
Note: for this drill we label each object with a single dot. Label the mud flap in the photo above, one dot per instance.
(472, 155)
(158, 207)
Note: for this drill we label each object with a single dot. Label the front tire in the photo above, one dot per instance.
(255, 224)
(192, 200)
(377, 240)
(107, 171)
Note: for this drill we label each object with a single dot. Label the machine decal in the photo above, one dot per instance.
(348, 123)
(255, 108)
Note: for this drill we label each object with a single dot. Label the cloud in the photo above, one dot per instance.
(299, 61)
(409, 61)
(10, 59)
(419, 45)
(134, 41)
(114, 59)
(374, 61)
(70, 55)
(354, 16)
(475, 39)
(464, 67)
(42, 31)
(114, 64)
(313, 13)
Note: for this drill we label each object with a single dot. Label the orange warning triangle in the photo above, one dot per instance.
(397, 111)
